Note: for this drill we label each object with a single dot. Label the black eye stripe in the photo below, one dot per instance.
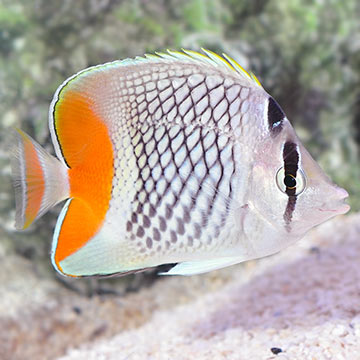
(275, 116)
(290, 207)
(291, 164)
(291, 158)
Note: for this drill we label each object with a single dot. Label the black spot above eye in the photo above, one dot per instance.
(289, 181)
(275, 116)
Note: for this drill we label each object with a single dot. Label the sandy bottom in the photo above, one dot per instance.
(303, 303)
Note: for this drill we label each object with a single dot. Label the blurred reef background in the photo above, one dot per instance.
(306, 53)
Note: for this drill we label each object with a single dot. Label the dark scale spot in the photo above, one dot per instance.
(134, 218)
(156, 234)
(146, 221)
(140, 232)
(139, 208)
(197, 231)
(128, 226)
(190, 241)
(186, 215)
(149, 242)
(180, 226)
(132, 237)
(162, 223)
(167, 245)
(152, 211)
(168, 211)
(275, 116)
(204, 219)
(158, 248)
(173, 236)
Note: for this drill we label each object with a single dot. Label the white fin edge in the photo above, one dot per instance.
(188, 268)
(58, 225)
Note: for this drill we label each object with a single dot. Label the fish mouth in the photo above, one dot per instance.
(340, 207)
(339, 210)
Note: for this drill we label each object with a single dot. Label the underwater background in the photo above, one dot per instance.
(306, 54)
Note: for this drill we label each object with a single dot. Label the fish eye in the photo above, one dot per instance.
(288, 182)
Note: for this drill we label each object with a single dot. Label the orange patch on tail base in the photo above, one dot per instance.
(87, 149)
(35, 181)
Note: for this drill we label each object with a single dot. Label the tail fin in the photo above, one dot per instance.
(40, 180)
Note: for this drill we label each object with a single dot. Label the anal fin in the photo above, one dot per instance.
(202, 266)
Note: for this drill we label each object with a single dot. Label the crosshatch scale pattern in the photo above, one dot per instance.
(173, 128)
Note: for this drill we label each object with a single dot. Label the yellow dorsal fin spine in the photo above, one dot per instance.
(237, 66)
(253, 76)
(217, 59)
(209, 57)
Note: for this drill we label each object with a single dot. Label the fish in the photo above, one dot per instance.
(178, 158)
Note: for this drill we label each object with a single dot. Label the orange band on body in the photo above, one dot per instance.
(85, 143)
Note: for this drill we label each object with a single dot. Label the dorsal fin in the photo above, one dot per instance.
(225, 63)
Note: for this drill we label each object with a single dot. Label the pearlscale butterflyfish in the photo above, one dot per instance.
(178, 157)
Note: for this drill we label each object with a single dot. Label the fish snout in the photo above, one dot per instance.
(341, 193)
(336, 203)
